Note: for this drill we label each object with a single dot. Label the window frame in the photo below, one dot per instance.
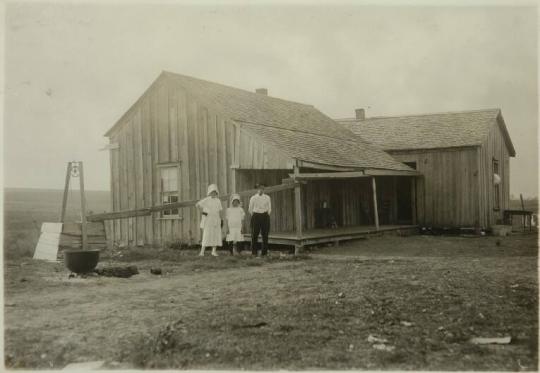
(496, 187)
(168, 195)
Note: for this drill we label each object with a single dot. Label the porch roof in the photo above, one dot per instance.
(353, 174)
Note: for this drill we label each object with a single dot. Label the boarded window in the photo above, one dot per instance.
(169, 189)
(496, 185)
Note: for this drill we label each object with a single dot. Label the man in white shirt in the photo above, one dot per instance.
(260, 208)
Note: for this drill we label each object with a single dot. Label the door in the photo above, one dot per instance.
(404, 197)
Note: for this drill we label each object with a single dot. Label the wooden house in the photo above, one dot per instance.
(185, 133)
(464, 159)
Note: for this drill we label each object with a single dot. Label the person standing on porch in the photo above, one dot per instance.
(211, 220)
(260, 208)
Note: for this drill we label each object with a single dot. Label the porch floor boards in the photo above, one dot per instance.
(317, 236)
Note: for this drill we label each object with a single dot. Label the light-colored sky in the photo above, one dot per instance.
(71, 70)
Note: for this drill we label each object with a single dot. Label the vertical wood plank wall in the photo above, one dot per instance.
(494, 147)
(169, 126)
(447, 193)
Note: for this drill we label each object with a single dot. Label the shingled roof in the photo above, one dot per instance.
(430, 131)
(298, 130)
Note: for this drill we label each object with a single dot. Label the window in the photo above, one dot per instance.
(496, 185)
(411, 165)
(169, 189)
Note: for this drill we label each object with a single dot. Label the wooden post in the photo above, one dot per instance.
(375, 209)
(413, 199)
(83, 207)
(394, 204)
(66, 190)
(523, 217)
(298, 212)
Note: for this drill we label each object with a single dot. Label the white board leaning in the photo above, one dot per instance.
(47, 246)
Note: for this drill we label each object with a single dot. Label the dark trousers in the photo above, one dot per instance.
(260, 223)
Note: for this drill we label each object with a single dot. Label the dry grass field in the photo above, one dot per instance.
(426, 296)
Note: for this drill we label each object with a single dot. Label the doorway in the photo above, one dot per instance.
(404, 200)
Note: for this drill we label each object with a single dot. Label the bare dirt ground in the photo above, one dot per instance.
(427, 296)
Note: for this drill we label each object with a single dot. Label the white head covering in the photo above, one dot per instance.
(212, 188)
(235, 197)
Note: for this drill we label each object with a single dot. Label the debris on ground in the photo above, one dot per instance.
(117, 271)
(155, 271)
(245, 326)
(487, 341)
(87, 365)
(341, 295)
(406, 323)
(372, 339)
(383, 347)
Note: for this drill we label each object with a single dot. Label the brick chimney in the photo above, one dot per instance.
(360, 114)
(262, 91)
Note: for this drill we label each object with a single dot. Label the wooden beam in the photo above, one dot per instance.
(327, 175)
(111, 146)
(413, 200)
(66, 190)
(323, 166)
(351, 174)
(375, 209)
(374, 172)
(394, 201)
(148, 210)
(298, 206)
(83, 206)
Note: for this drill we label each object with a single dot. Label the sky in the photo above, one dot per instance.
(72, 69)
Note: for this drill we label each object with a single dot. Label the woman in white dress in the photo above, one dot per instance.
(211, 220)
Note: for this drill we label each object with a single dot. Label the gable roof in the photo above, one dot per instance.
(298, 130)
(430, 131)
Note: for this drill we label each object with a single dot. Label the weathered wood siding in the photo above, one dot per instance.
(255, 154)
(447, 192)
(494, 148)
(282, 216)
(168, 126)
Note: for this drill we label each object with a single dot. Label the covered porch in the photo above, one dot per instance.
(329, 207)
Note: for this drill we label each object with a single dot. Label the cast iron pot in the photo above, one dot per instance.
(81, 261)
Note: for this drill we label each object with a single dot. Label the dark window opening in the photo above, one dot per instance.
(411, 165)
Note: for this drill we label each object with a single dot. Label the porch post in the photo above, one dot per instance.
(413, 199)
(375, 209)
(298, 212)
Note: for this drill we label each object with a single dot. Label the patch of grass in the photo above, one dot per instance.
(319, 328)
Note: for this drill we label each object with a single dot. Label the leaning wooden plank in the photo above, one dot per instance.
(149, 210)
(122, 214)
(47, 246)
